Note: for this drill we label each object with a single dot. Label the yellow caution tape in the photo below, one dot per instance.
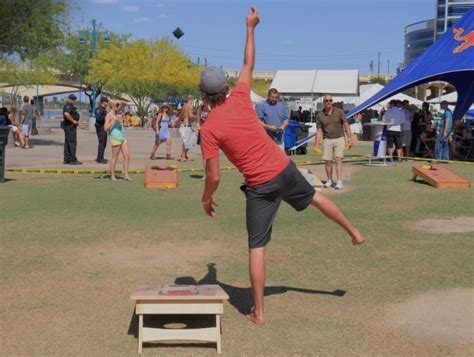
(225, 168)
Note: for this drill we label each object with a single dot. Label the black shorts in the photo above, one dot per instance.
(264, 200)
(394, 138)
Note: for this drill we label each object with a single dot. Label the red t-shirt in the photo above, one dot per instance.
(234, 128)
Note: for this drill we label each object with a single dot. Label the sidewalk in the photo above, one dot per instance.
(47, 152)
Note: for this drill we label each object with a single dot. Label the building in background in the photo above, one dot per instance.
(419, 36)
(448, 12)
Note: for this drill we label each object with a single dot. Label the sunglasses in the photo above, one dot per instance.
(328, 100)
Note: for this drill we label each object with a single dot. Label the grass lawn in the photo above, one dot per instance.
(74, 247)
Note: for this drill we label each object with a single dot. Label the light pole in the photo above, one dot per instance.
(94, 33)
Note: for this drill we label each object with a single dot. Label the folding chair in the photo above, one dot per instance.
(425, 147)
(466, 151)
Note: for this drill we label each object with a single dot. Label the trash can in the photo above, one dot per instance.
(302, 131)
(290, 135)
(4, 131)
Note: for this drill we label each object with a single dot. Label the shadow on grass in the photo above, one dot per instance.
(198, 177)
(6, 180)
(239, 298)
(421, 182)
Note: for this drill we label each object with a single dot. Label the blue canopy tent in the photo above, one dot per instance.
(449, 59)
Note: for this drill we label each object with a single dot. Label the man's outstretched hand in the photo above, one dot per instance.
(253, 18)
(209, 207)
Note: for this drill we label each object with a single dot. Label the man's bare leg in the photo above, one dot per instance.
(338, 168)
(400, 154)
(183, 154)
(328, 167)
(257, 279)
(330, 210)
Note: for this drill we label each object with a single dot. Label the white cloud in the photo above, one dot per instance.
(142, 19)
(129, 8)
(163, 16)
(104, 1)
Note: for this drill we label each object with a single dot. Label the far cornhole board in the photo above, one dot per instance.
(440, 177)
(179, 300)
(158, 177)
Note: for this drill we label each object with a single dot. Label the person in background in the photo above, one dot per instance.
(100, 114)
(36, 117)
(70, 123)
(394, 133)
(26, 117)
(331, 123)
(274, 117)
(15, 128)
(118, 139)
(161, 127)
(173, 118)
(3, 116)
(406, 133)
(186, 130)
(445, 129)
(203, 111)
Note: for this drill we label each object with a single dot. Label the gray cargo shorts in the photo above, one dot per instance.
(264, 200)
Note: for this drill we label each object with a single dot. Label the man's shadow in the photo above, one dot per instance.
(241, 298)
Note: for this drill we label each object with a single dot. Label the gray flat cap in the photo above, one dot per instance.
(213, 80)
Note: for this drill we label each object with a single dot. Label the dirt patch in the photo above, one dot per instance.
(442, 316)
(146, 255)
(446, 226)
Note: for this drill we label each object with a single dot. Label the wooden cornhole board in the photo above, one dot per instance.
(161, 177)
(179, 300)
(440, 177)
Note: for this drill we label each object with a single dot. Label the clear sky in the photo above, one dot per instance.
(292, 34)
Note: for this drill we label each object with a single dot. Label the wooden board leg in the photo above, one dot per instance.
(413, 178)
(218, 333)
(140, 333)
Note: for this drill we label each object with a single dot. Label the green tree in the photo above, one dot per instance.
(145, 71)
(378, 80)
(25, 74)
(73, 59)
(31, 27)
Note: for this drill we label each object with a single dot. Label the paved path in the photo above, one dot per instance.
(47, 152)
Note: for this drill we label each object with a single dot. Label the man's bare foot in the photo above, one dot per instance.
(257, 320)
(357, 238)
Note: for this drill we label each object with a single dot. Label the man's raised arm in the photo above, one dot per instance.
(253, 19)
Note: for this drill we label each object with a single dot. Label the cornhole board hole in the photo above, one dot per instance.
(440, 177)
(179, 300)
(161, 177)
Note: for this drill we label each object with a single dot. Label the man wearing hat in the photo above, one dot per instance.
(70, 122)
(100, 114)
(270, 176)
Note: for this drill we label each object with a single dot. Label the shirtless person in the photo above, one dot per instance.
(270, 176)
(186, 130)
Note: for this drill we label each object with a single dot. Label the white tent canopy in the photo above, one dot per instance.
(368, 90)
(255, 98)
(450, 97)
(316, 82)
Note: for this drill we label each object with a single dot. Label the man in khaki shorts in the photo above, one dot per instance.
(331, 123)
